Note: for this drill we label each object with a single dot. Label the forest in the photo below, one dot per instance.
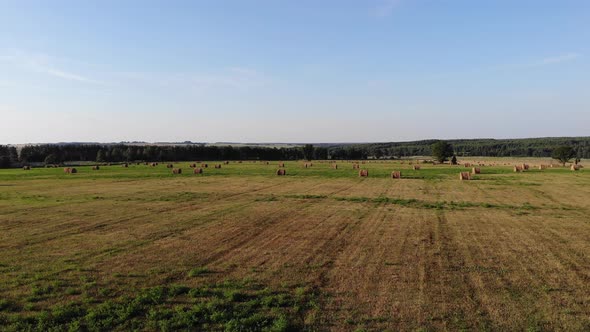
(10, 156)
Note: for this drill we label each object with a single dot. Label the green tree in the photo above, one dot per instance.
(308, 151)
(563, 154)
(100, 156)
(441, 151)
(51, 159)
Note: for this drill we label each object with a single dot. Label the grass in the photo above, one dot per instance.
(229, 306)
(319, 249)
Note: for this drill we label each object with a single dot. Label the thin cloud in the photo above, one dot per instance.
(386, 8)
(556, 59)
(553, 60)
(234, 77)
(41, 63)
(549, 61)
(65, 75)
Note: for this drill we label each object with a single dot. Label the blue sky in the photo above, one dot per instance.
(293, 71)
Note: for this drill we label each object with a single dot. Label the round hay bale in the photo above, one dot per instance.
(464, 176)
(363, 173)
(475, 170)
(26, 168)
(416, 167)
(281, 164)
(203, 165)
(198, 171)
(218, 166)
(396, 175)
(281, 171)
(125, 165)
(177, 171)
(95, 168)
(170, 166)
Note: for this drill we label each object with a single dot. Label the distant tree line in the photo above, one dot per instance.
(56, 153)
(59, 153)
(530, 147)
(8, 156)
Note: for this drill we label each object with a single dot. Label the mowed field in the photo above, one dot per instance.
(239, 248)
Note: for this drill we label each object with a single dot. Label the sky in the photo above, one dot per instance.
(293, 71)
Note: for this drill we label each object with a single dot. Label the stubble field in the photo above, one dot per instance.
(239, 248)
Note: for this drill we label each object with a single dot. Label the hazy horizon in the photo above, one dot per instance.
(286, 143)
(302, 72)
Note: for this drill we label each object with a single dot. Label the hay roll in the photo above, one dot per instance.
(281, 171)
(198, 171)
(363, 173)
(475, 170)
(464, 176)
(396, 175)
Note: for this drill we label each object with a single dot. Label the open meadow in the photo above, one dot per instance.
(240, 248)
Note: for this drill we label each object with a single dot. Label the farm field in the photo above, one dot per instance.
(240, 248)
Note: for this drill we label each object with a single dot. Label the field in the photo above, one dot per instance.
(239, 248)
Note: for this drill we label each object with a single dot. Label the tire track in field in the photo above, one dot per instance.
(71, 231)
(457, 257)
(524, 291)
(511, 282)
(241, 238)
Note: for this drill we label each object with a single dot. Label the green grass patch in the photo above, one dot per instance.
(229, 306)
